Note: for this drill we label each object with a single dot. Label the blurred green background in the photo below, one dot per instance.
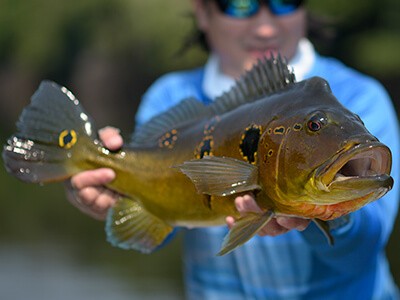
(108, 53)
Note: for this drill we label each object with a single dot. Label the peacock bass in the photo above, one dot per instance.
(290, 143)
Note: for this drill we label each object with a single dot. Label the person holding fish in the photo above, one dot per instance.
(289, 258)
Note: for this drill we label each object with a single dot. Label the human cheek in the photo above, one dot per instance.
(292, 30)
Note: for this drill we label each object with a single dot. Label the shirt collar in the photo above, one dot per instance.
(215, 82)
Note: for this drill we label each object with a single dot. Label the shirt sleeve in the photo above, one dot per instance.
(359, 240)
(155, 101)
(168, 91)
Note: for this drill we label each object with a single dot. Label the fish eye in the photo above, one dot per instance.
(316, 122)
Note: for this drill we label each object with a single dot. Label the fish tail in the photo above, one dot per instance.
(50, 134)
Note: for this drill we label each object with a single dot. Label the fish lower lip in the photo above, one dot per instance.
(360, 162)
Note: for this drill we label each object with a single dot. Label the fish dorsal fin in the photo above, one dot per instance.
(267, 77)
(188, 110)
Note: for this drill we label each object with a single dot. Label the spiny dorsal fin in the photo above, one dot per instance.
(267, 77)
(188, 110)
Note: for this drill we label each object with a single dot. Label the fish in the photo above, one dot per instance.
(292, 144)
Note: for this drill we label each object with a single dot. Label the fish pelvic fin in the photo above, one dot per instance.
(48, 132)
(324, 227)
(221, 176)
(130, 226)
(244, 229)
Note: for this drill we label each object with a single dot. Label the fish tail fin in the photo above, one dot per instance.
(244, 229)
(50, 130)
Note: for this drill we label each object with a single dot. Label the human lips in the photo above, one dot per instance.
(264, 53)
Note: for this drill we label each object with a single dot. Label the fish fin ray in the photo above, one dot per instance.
(130, 226)
(268, 76)
(324, 227)
(244, 229)
(188, 110)
(221, 176)
(47, 129)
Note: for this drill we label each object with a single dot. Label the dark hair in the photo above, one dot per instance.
(320, 29)
(194, 38)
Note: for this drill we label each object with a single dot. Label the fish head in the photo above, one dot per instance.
(326, 162)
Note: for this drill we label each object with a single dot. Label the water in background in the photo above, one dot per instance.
(51, 270)
(49, 250)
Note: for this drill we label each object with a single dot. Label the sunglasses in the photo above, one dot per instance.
(246, 8)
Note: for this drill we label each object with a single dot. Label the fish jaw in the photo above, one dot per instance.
(359, 172)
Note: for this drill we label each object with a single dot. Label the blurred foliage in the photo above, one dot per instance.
(368, 33)
(104, 51)
(108, 53)
(47, 36)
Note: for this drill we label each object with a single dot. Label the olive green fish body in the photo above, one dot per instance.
(146, 174)
(292, 144)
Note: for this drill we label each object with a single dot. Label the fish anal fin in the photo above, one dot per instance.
(130, 226)
(244, 229)
(221, 176)
(324, 227)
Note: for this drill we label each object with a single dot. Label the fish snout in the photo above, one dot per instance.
(361, 139)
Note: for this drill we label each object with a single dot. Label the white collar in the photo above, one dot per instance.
(303, 60)
(215, 82)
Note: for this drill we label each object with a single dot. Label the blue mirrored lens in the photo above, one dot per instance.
(239, 8)
(283, 7)
(247, 8)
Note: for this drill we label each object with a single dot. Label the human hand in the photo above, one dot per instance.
(87, 191)
(279, 225)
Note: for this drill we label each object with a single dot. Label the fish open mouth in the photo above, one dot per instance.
(357, 166)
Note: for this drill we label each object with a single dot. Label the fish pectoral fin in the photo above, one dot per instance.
(244, 229)
(221, 176)
(324, 227)
(131, 226)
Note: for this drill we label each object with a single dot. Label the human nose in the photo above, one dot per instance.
(265, 24)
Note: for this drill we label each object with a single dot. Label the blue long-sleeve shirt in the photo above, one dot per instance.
(297, 265)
